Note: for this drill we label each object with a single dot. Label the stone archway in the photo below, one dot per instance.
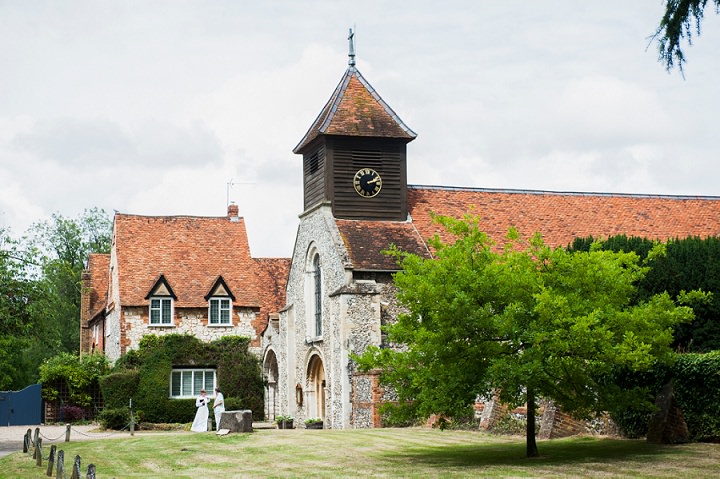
(315, 391)
(270, 371)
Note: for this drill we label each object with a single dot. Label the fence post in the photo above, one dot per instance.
(51, 460)
(90, 471)
(38, 452)
(61, 465)
(76, 468)
(26, 441)
(67, 432)
(37, 435)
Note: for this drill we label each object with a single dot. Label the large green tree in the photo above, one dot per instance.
(20, 296)
(62, 246)
(681, 20)
(522, 320)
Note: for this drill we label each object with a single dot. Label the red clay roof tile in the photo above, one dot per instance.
(355, 109)
(561, 217)
(191, 252)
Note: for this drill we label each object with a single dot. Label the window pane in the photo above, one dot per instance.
(175, 382)
(187, 383)
(166, 311)
(197, 383)
(154, 311)
(213, 311)
(210, 382)
(225, 311)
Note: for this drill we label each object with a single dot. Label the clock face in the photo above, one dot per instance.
(367, 182)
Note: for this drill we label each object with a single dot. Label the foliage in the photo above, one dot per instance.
(117, 387)
(40, 292)
(20, 324)
(696, 384)
(521, 320)
(143, 375)
(62, 246)
(313, 420)
(284, 418)
(77, 375)
(71, 413)
(687, 264)
(681, 19)
(114, 418)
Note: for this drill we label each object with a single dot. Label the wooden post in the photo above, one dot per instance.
(26, 441)
(51, 460)
(90, 471)
(61, 465)
(37, 435)
(38, 452)
(67, 433)
(76, 468)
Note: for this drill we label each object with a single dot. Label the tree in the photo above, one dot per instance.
(523, 321)
(688, 264)
(20, 326)
(62, 246)
(682, 18)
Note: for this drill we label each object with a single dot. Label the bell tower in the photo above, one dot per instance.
(354, 154)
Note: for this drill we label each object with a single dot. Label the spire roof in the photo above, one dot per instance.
(356, 109)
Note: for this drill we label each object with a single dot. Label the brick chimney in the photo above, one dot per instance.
(233, 212)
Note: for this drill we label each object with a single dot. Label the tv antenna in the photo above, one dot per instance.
(232, 183)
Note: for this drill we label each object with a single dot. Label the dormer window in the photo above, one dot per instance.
(220, 304)
(161, 311)
(220, 309)
(161, 297)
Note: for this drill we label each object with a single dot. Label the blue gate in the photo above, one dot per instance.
(21, 408)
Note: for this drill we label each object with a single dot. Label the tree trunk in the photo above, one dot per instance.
(531, 449)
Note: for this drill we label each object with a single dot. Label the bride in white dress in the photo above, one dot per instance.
(200, 424)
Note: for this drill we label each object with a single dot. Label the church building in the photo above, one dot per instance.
(357, 203)
(309, 314)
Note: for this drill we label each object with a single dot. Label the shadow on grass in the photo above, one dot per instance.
(554, 452)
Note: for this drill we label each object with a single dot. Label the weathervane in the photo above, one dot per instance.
(351, 54)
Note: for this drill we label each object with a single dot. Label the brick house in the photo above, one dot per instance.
(178, 274)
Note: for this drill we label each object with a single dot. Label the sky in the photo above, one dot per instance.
(178, 107)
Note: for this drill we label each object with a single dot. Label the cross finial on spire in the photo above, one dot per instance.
(351, 54)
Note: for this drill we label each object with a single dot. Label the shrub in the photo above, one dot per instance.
(71, 413)
(116, 418)
(145, 374)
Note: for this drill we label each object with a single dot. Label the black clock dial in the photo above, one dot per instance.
(367, 182)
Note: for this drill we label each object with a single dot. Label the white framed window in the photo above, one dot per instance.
(220, 312)
(161, 311)
(187, 383)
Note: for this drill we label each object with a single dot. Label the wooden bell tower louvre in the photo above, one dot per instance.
(354, 154)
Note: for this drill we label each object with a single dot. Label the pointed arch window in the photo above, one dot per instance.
(317, 294)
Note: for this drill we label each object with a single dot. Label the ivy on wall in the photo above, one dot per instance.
(144, 376)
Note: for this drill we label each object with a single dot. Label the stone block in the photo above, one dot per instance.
(236, 421)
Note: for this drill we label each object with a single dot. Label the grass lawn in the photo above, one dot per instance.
(405, 453)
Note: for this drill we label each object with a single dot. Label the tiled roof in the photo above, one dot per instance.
(561, 217)
(97, 266)
(272, 276)
(355, 109)
(365, 241)
(191, 252)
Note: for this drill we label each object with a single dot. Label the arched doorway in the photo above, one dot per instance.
(315, 391)
(270, 372)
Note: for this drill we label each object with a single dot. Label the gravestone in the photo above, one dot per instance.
(236, 421)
